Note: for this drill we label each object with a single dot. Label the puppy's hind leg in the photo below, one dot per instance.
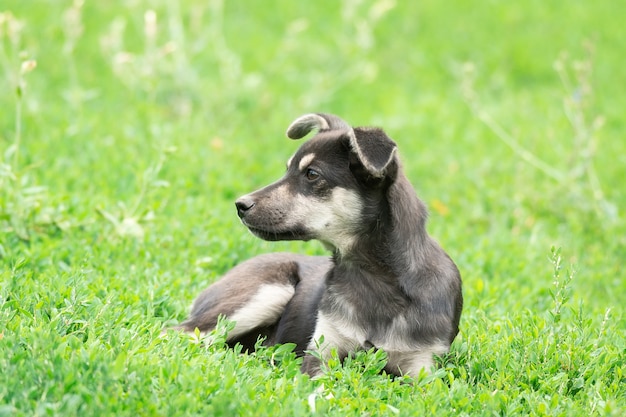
(253, 295)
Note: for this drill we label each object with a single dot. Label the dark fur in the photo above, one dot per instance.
(388, 284)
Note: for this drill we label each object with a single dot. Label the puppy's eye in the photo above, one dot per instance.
(312, 174)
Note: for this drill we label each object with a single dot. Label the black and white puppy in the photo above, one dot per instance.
(388, 284)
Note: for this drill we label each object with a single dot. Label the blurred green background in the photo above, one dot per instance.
(117, 83)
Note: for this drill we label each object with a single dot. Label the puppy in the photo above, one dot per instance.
(387, 285)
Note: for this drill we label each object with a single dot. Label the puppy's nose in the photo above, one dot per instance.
(244, 204)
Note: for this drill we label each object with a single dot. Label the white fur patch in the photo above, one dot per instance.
(306, 161)
(335, 334)
(341, 333)
(262, 309)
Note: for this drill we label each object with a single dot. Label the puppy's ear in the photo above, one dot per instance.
(374, 150)
(301, 127)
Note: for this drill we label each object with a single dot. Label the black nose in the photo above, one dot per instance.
(243, 204)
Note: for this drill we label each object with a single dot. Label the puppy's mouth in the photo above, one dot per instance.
(275, 235)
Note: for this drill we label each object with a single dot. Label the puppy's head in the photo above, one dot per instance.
(333, 187)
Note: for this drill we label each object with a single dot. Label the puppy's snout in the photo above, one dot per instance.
(244, 204)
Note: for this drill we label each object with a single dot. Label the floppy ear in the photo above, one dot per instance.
(301, 127)
(374, 149)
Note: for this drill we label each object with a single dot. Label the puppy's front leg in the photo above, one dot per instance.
(327, 336)
(311, 365)
(411, 363)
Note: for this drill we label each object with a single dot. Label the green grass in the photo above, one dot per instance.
(122, 151)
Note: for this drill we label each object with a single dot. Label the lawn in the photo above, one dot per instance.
(128, 129)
